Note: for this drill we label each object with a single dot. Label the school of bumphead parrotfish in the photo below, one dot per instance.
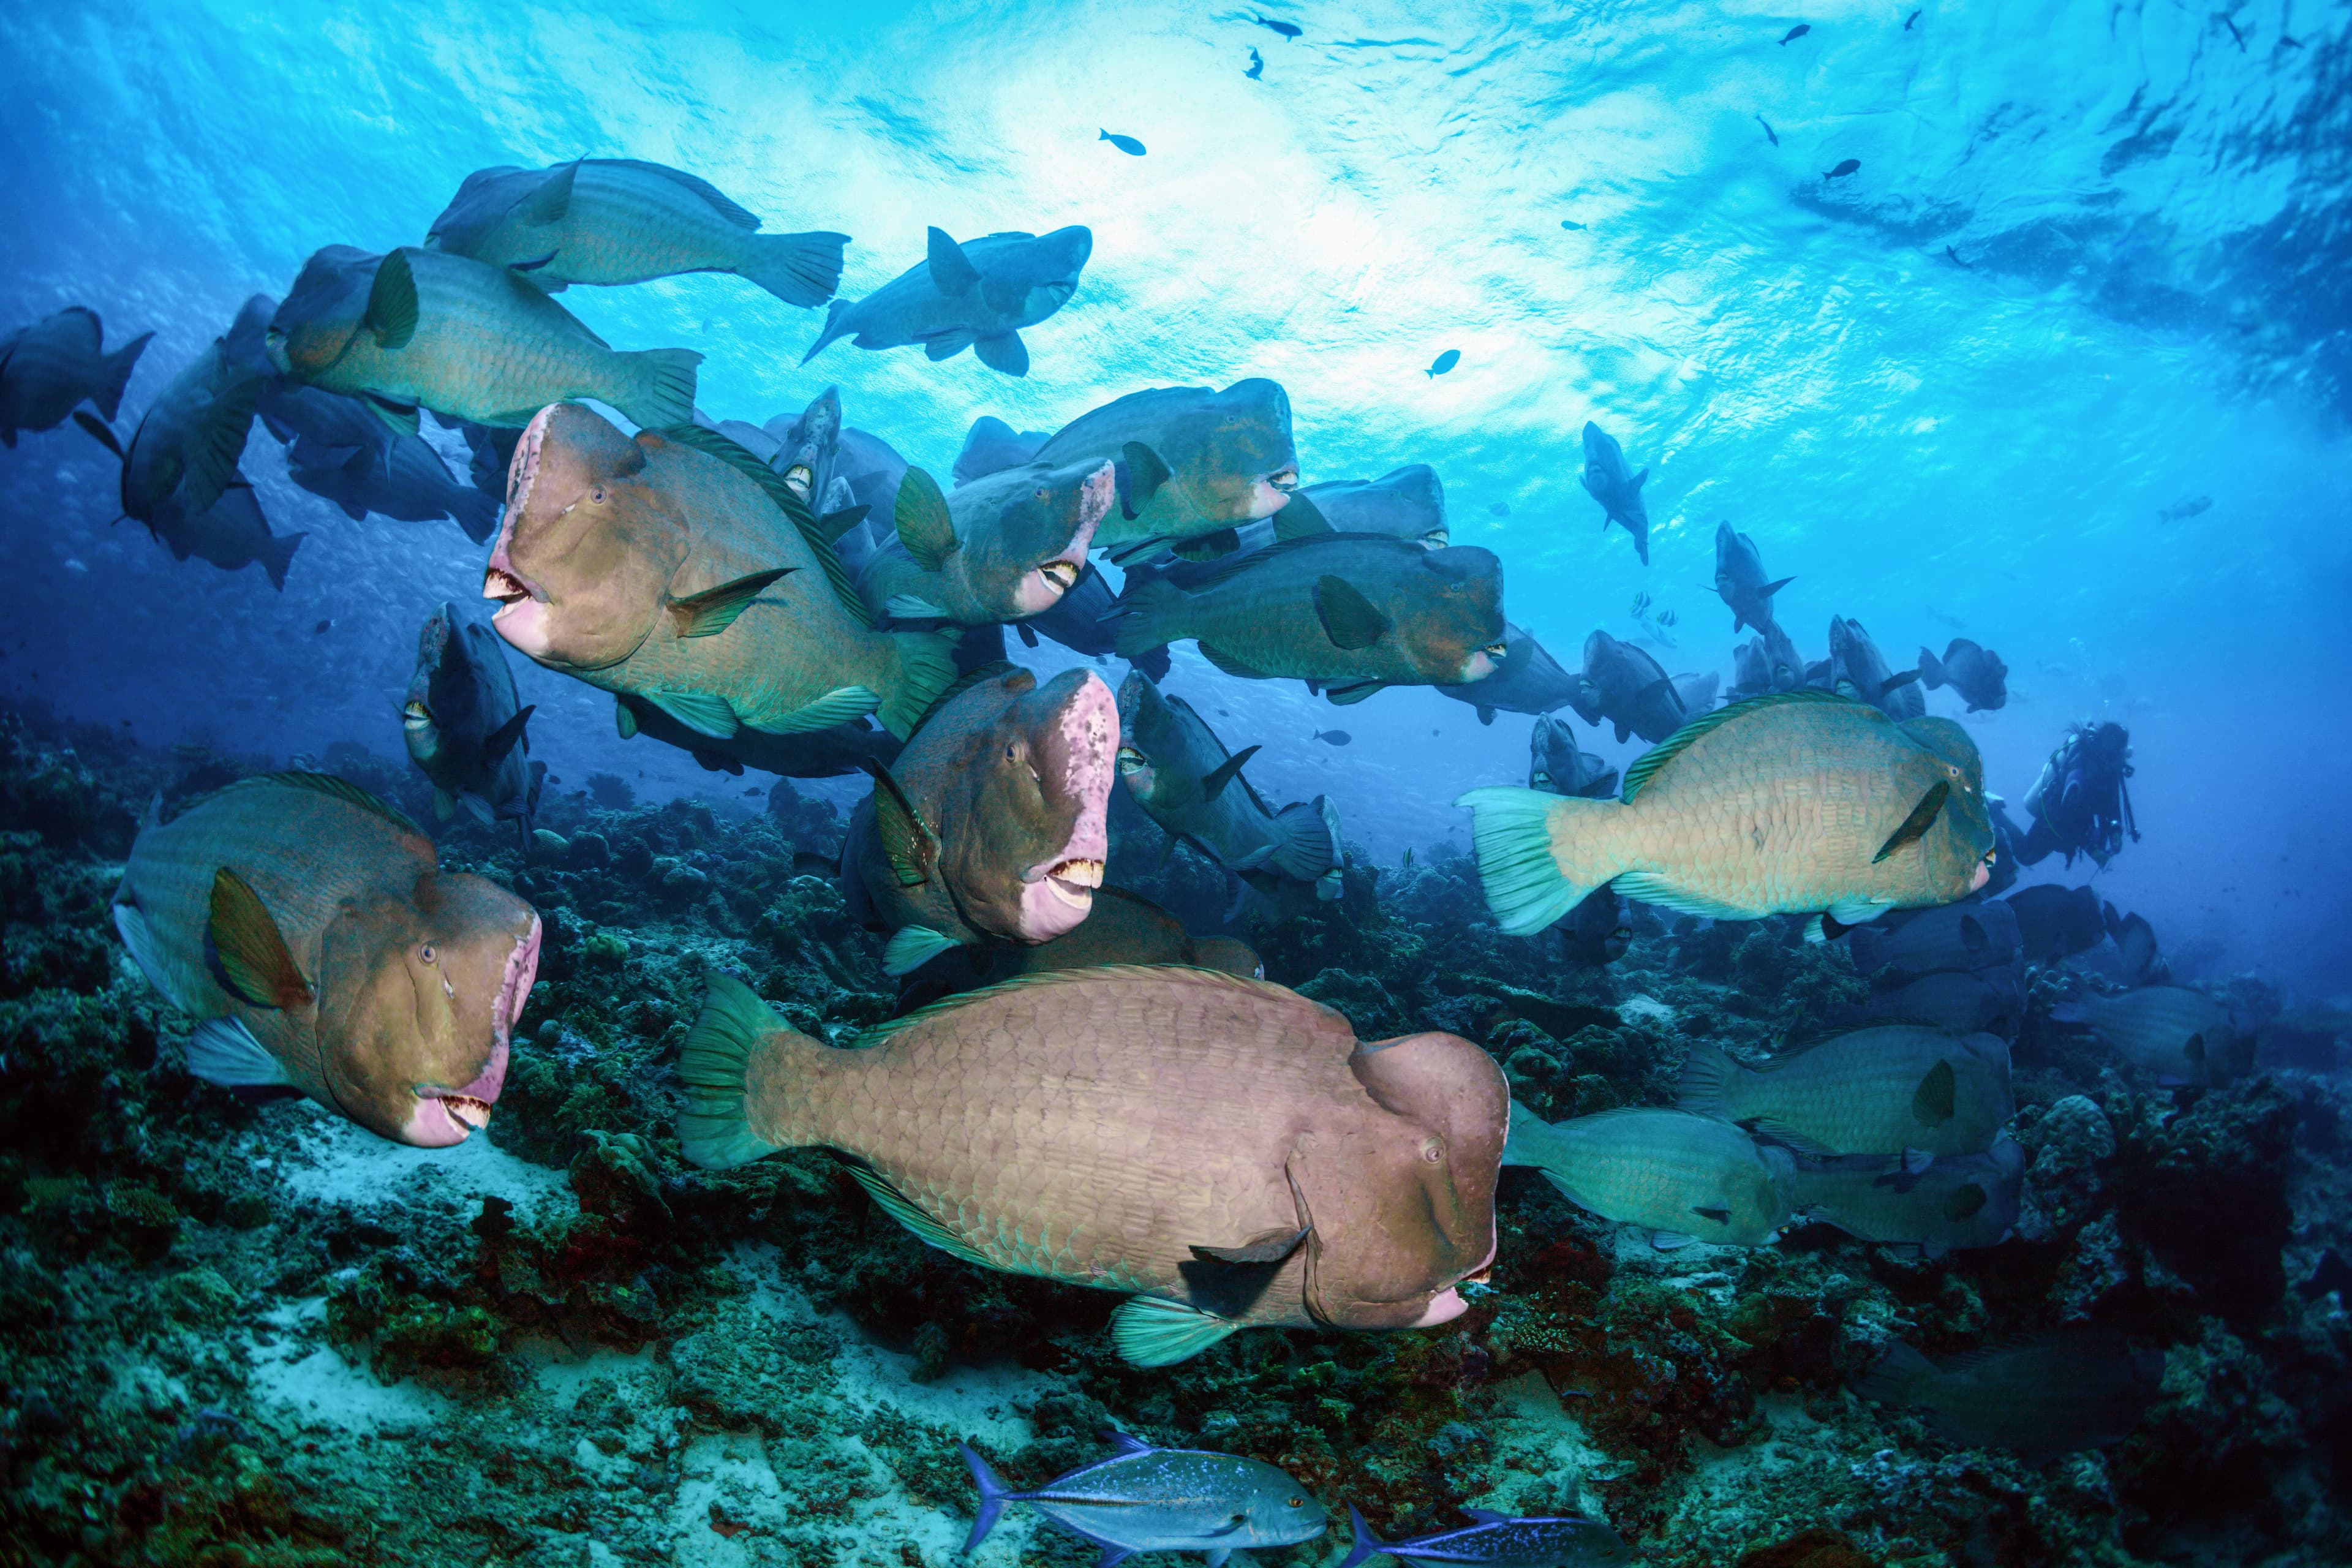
(1080, 1088)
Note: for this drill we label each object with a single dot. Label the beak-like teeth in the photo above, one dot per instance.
(474, 1113)
(1285, 480)
(1082, 873)
(1061, 573)
(504, 586)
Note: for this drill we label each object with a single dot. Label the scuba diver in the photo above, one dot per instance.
(2080, 804)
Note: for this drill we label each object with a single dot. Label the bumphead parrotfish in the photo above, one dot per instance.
(1223, 458)
(992, 824)
(464, 726)
(1610, 480)
(678, 568)
(1003, 548)
(977, 296)
(1224, 1151)
(58, 363)
(1791, 803)
(307, 927)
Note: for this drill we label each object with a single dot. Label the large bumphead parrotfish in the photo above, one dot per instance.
(1610, 480)
(1740, 579)
(2179, 1035)
(1003, 548)
(1180, 774)
(415, 328)
(1526, 680)
(49, 369)
(678, 568)
(1223, 458)
(1555, 765)
(1768, 661)
(307, 927)
(1899, 1087)
(991, 444)
(465, 727)
(1623, 686)
(1407, 502)
(977, 295)
(1686, 1177)
(2050, 1395)
(1968, 668)
(1795, 803)
(993, 825)
(1857, 670)
(1224, 1151)
(620, 220)
(1354, 612)
(1952, 1202)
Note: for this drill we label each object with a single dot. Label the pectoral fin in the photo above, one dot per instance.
(245, 950)
(392, 302)
(553, 201)
(503, 740)
(1266, 1246)
(1300, 519)
(1933, 1104)
(1348, 619)
(1002, 352)
(1151, 1331)
(921, 516)
(912, 848)
(700, 711)
(1143, 473)
(713, 610)
(1914, 826)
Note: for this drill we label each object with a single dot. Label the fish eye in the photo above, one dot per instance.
(1433, 1149)
(428, 953)
(596, 496)
(1296, 1502)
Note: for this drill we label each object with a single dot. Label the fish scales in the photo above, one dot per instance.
(1856, 1093)
(1038, 1171)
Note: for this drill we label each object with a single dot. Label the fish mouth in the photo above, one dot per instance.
(443, 1117)
(1444, 1308)
(1284, 479)
(1062, 575)
(1075, 880)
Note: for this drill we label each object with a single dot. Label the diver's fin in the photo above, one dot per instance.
(713, 610)
(223, 1051)
(1213, 784)
(1151, 1331)
(245, 950)
(1923, 817)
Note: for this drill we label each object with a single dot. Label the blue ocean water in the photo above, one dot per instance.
(2091, 265)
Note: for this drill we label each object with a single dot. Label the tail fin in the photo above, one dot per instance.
(1895, 1377)
(1150, 615)
(993, 1494)
(109, 395)
(1307, 839)
(277, 554)
(798, 268)
(662, 394)
(475, 511)
(1931, 670)
(1539, 855)
(735, 1032)
(1706, 1083)
(833, 329)
(1367, 1543)
(927, 666)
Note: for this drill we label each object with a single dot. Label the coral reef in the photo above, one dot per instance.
(237, 1333)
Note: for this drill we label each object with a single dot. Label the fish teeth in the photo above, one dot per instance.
(1084, 873)
(503, 586)
(474, 1113)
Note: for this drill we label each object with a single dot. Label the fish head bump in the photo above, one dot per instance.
(587, 547)
(1050, 266)
(1025, 830)
(1244, 465)
(1043, 522)
(315, 324)
(1404, 1209)
(1456, 633)
(417, 999)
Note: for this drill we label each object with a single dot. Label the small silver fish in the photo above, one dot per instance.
(1144, 1499)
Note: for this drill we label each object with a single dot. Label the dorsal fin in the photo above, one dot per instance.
(340, 789)
(712, 444)
(880, 1033)
(1646, 766)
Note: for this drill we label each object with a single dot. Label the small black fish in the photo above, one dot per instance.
(1845, 166)
(1911, 18)
(320, 629)
(1288, 29)
(1257, 67)
(1500, 508)
(2236, 36)
(1569, 222)
(1772, 134)
(2289, 42)
(1334, 737)
(1442, 363)
(1954, 257)
(1793, 34)
(1126, 144)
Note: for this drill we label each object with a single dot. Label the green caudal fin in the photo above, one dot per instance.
(736, 1028)
(1539, 855)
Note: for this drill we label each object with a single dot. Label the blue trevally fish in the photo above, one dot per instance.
(1143, 1498)
(1500, 1540)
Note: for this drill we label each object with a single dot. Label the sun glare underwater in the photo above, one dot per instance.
(892, 784)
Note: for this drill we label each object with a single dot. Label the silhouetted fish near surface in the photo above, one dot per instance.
(2047, 1396)
(1499, 1541)
(1954, 257)
(1256, 67)
(48, 368)
(1499, 508)
(1144, 1499)
(1289, 30)
(1740, 579)
(1799, 31)
(1442, 363)
(1610, 480)
(977, 295)
(1332, 737)
(1845, 166)
(2181, 511)
(1911, 18)
(1770, 134)
(1126, 144)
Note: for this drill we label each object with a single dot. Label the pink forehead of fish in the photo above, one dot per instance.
(432, 1124)
(1057, 892)
(522, 618)
(1095, 493)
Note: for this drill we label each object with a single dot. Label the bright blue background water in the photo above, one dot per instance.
(2153, 221)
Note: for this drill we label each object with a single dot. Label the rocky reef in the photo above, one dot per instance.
(237, 1334)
